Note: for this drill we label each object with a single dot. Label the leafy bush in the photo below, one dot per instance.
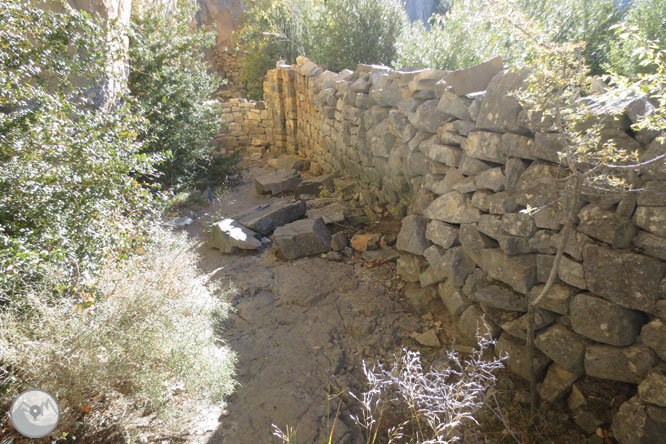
(68, 194)
(336, 33)
(169, 79)
(465, 36)
(344, 33)
(147, 328)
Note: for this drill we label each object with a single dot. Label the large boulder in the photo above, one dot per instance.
(305, 237)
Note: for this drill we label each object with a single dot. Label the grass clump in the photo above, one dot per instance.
(148, 327)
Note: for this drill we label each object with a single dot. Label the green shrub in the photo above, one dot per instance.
(168, 77)
(343, 33)
(68, 194)
(465, 36)
(147, 328)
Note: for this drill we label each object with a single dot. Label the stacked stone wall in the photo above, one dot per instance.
(246, 124)
(457, 156)
(228, 62)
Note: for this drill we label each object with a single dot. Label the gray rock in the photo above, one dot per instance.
(629, 364)
(539, 185)
(653, 334)
(563, 346)
(476, 279)
(428, 338)
(409, 267)
(574, 246)
(515, 145)
(492, 179)
(334, 256)
(447, 154)
(441, 233)
(454, 299)
(604, 321)
(412, 237)
(476, 78)
(629, 280)
(455, 105)
(656, 170)
(470, 166)
(466, 186)
(281, 181)
(653, 194)
(518, 271)
(473, 241)
(547, 218)
(513, 168)
(229, 236)
(606, 226)
(383, 254)
(518, 224)
(277, 214)
(182, 222)
(652, 219)
(339, 241)
(420, 299)
(500, 108)
(451, 178)
(334, 213)
(540, 242)
(570, 272)
(452, 207)
(557, 299)
(517, 358)
(608, 108)
(316, 185)
(518, 327)
(500, 297)
(289, 163)
(431, 276)
(513, 245)
(457, 265)
(427, 117)
(484, 146)
(653, 389)
(557, 383)
(633, 424)
(502, 203)
(305, 237)
(473, 322)
(547, 146)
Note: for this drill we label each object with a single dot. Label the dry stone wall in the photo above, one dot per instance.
(458, 157)
(246, 123)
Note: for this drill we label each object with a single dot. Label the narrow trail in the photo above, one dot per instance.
(301, 330)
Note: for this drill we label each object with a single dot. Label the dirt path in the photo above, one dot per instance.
(301, 330)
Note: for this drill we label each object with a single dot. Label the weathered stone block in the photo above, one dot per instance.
(633, 424)
(289, 163)
(457, 265)
(557, 299)
(476, 78)
(517, 358)
(484, 146)
(472, 322)
(473, 241)
(563, 346)
(441, 233)
(629, 280)
(281, 181)
(420, 299)
(427, 117)
(518, 327)
(518, 224)
(652, 219)
(653, 334)
(518, 271)
(492, 179)
(454, 299)
(412, 235)
(409, 267)
(500, 108)
(627, 364)
(452, 207)
(455, 105)
(470, 166)
(653, 389)
(305, 237)
(500, 297)
(431, 276)
(570, 272)
(606, 226)
(557, 383)
(316, 185)
(229, 236)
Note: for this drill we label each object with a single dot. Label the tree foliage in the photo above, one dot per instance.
(68, 194)
(169, 79)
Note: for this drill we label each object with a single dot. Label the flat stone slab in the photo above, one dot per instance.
(281, 181)
(275, 215)
(229, 236)
(289, 163)
(305, 237)
(329, 214)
